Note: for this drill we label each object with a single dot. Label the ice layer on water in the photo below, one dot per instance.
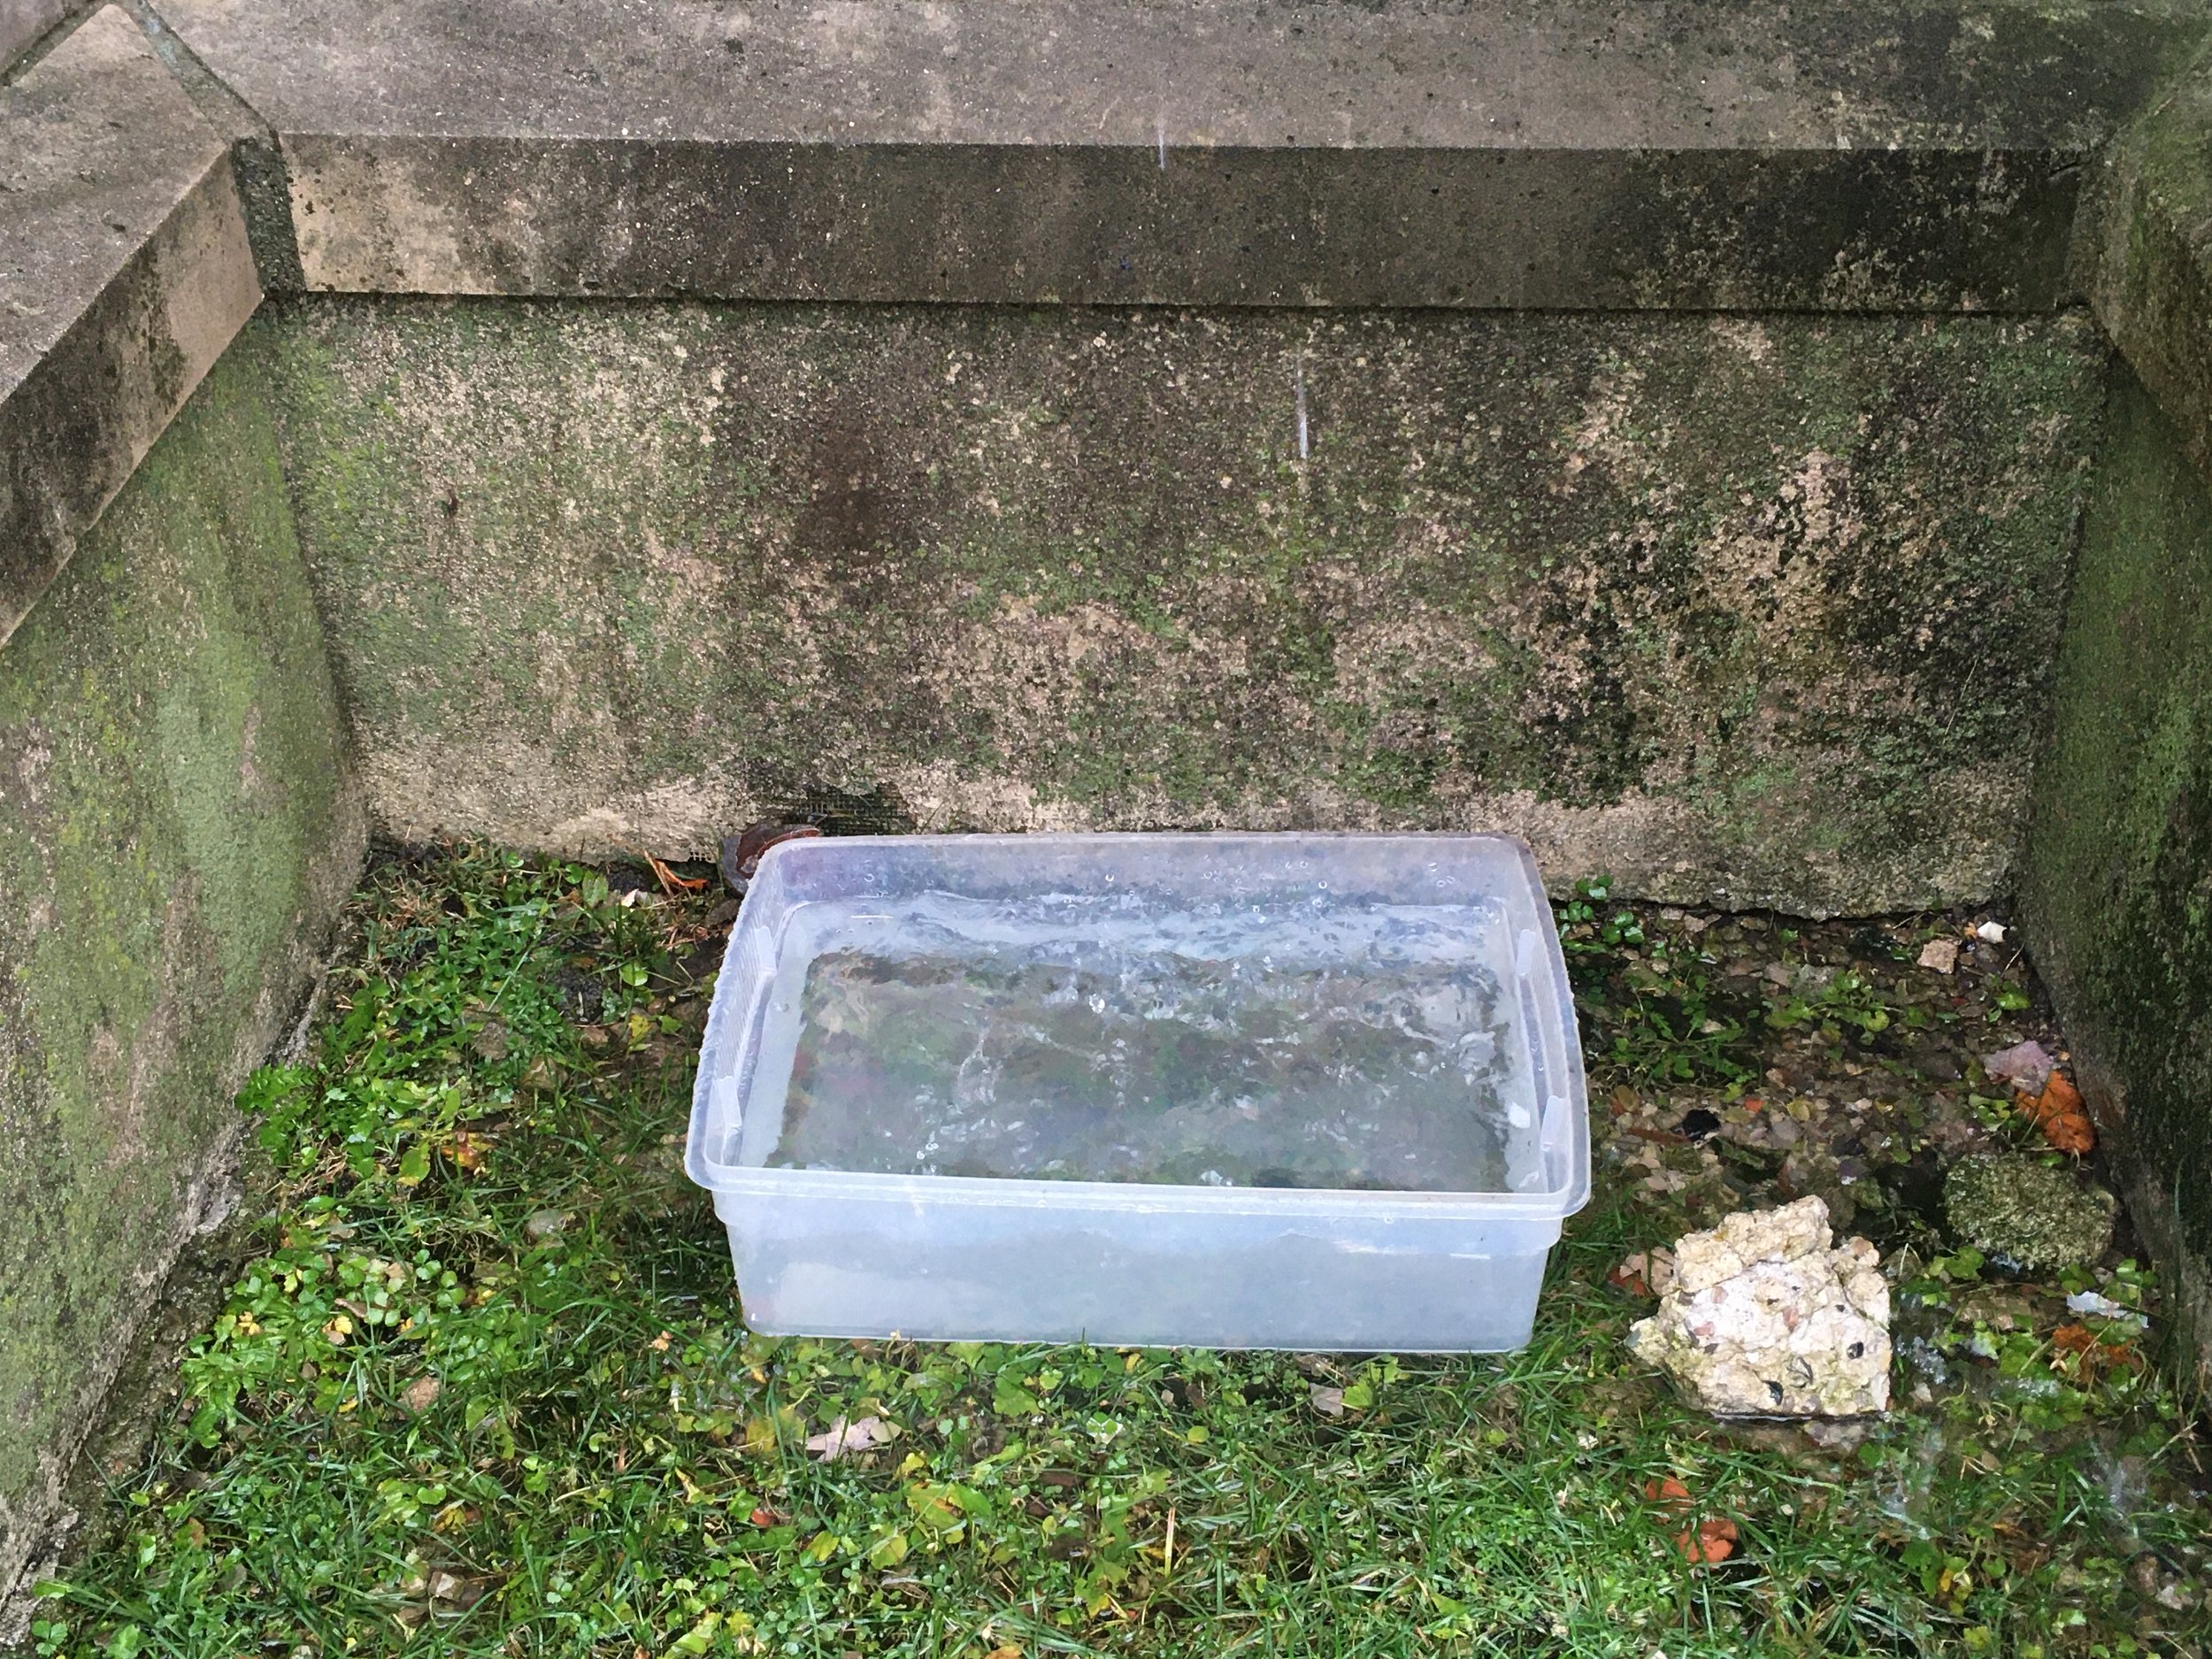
(1300, 1040)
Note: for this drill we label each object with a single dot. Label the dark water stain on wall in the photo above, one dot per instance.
(1748, 610)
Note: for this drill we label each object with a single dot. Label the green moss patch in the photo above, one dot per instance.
(175, 828)
(2120, 877)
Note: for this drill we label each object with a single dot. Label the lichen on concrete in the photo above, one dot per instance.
(176, 827)
(2019, 1209)
(1748, 611)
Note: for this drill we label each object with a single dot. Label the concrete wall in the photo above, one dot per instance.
(2118, 889)
(23, 23)
(1754, 610)
(176, 826)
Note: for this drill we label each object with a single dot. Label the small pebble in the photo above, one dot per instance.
(2027, 1064)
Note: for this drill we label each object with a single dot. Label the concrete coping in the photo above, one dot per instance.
(124, 272)
(2151, 270)
(1919, 154)
(1892, 154)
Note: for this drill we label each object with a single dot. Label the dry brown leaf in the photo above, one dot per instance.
(2079, 1350)
(2059, 1113)
(842, 1438)
(1644, 1273)
(2073, 1338)
(2072, 1133)
(1714, 1540)
(1669, 1494)
(2059, 1095)
(451, 1586)
(671, 882)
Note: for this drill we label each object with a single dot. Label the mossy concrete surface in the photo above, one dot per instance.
(176, 826)
(2119, 884)
(1746, 611)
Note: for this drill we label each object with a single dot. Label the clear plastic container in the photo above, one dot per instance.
(1230, 1090)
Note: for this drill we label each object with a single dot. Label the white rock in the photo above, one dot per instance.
(1766, 1319)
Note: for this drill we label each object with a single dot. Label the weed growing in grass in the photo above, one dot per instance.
(483, 1389)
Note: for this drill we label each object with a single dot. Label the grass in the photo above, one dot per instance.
(482, 1388)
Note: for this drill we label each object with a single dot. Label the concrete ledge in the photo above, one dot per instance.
(1738, 154)
(124, 272)
(2151, 282)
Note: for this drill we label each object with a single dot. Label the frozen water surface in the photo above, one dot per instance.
(1299, 1041)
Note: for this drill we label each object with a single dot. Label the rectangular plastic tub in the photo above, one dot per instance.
(1316, 1092)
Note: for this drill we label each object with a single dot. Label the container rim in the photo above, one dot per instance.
(741, 1180)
